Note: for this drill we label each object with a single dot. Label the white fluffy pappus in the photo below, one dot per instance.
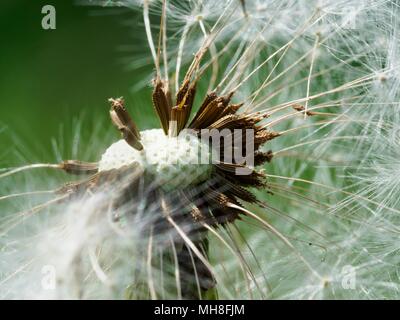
(332, 57)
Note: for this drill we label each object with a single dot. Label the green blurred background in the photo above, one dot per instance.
(49, 77)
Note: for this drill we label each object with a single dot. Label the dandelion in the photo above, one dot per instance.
(238, 193)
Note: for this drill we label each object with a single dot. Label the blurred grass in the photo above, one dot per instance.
(49, 77)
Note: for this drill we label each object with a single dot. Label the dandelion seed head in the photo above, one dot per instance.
(175, 161)
(327, 55)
